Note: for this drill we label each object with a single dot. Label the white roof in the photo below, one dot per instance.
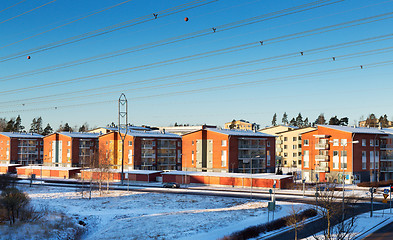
(49, 168)
(151, 134)
(144, 172)
(9, 165)
(354, 129)
(233, 175)
(80, 134)
(21, 135)
(387, 130)
(239, 132)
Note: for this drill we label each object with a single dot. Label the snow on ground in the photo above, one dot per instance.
(365, 224)
(135, 215)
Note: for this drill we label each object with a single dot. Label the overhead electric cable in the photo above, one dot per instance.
(9, 19)
(16, 4)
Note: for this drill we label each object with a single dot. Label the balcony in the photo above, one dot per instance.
(386, 169)
(322, 158)
(147, 146)
(148, 155)
(172, 146)
(322, 146)
(172, 155)
(386, 146)
(246, 146)
(321, 169)
(279, 141)
(278, 150)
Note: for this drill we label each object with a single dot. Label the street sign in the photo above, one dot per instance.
(386, 191)
(385, 201)
(271, 206)
(270, 191)
(385, 196)
(274, 185)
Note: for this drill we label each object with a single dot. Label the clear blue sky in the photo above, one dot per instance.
(353, 93)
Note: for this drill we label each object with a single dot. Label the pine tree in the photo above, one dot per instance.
(344, 121)
(10, 127)
(306, 123)
(33, 126)
(334, 121)
(274, 121)
(82, 128)
(18, 124)
(293, 122)
(320, 120)
(285, 119)
(47, 130)
(66, 128)
(39, 125)
(299, 120)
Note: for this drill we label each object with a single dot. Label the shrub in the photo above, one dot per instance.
(375, 184)
(14, 201)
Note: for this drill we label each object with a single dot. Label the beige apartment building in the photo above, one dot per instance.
(240, 125)
(288, 146)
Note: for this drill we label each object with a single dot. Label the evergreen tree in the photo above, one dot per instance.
(233, 124)
(47, 130)
(18, 124)
(344, 121)
(39, 125)
(285, 119)
(320, 120)
(66, 128)
(293, 122)
(82, 128)
(334, 121)
(274, 121)
(33, 126)
(10, 127)
(306, 123)
(299, 120)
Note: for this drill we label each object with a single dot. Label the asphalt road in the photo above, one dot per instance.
(385, 233)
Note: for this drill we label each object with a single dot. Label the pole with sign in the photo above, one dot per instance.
(304, 185)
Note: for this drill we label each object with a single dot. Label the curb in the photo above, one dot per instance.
(373, 229)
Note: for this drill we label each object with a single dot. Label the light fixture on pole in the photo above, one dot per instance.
(122, 127)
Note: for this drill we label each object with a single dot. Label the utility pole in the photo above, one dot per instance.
(123, 128)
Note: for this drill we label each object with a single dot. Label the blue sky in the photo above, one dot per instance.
(212, 97)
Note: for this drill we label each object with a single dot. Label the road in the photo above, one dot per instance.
(385, 233)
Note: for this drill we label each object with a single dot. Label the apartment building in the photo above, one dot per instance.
(223, 150)
(331, 153)
(150, 150)
(105, 130)
(240, 125)
(289, 149)
(21, 148)
(386, 156)
(70, 149)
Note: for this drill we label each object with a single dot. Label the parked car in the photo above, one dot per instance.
(171, 185)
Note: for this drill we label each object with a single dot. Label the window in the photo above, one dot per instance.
(335, 159)
(306, 142)
(192, 157)
(335, 142)
(364, 159)
(192, 143)
(294, 146)
(179, 144)
(69, 143)
(294, 154)
(294, 139)
(344, 159)
(285, 154)
(268, 158)
(371, 142)
(300, 137)
(372, 159)
(8, 142)
(306, 159)
(364, 142)
(223, 158)
(285, 146)
(224, 143)
(268, 143)
(129, 156)
(343, 142)
(285, 139)
(377, 142)
(129, 143)
(376, 159)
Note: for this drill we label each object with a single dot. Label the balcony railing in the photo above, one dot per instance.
(322, 146)
(246, 146)
(171, 146)
(321, 169)
(146, 146)
(386, 169)
(322, 158)
(386, 145)
(166, 155)
(148, 155)
(386, 158)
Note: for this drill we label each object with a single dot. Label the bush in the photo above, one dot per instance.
(14, 201)
(255, 231)
(375, 184)
(6, 181)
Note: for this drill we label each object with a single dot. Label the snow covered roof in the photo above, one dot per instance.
(143, 172)
(354, 129)
(80, 134)
(239, 132)
(49, 168)
(387, 130)
(9, 165)
(21, 135)
(129, 128)
(150, 134)
(234, 175)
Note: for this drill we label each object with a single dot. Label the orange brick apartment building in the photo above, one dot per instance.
(69, 149)
(223, 150)
(150, 150)
(329, 152)
(20, 148)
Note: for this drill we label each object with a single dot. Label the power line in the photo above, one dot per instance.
(226, 86)
(109, 29)
(200, 33)
(12, 6)
(65, 24)
(9, 19)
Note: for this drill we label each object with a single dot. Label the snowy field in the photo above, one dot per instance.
(133, 215)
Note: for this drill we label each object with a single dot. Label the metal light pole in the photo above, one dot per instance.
(342, 165)
(123, 126)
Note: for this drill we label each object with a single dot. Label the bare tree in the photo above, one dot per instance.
(339, 217)
(295, 220)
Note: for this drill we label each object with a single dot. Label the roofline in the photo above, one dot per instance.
(298, 130)
(381, 133)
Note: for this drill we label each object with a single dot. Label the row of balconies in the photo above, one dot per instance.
(387, 146)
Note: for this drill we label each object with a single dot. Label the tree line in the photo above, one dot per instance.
(36, 126)
(298, 121)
